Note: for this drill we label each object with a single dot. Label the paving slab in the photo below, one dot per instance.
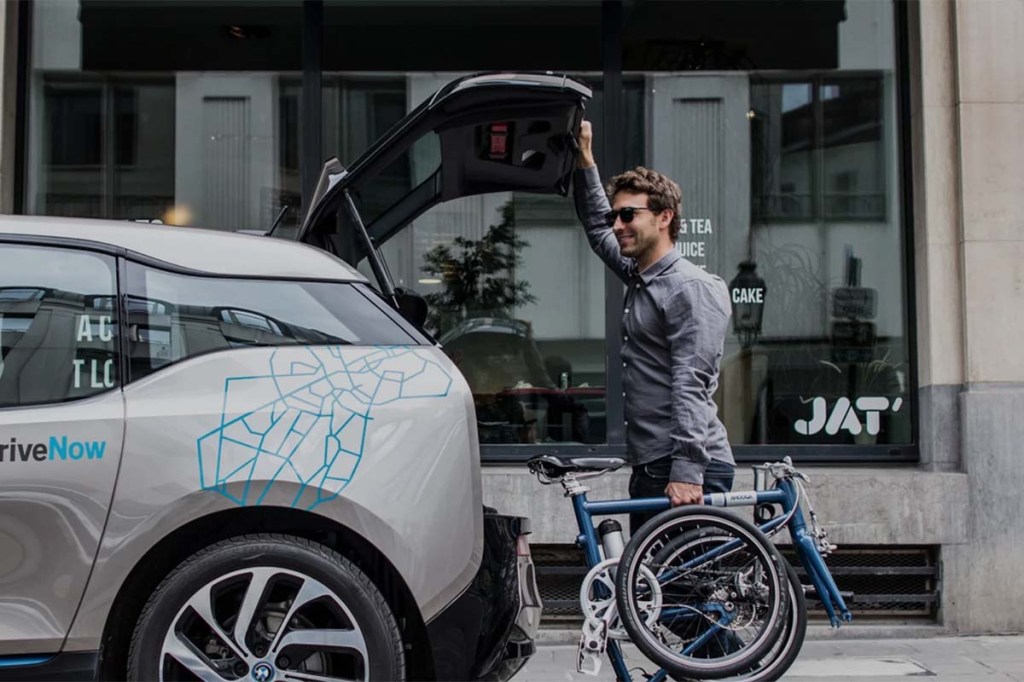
(943, 659)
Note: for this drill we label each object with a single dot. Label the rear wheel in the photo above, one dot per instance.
(781, 655)
(723, 599)
(266, 608)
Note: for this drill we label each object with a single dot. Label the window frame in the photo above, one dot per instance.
(109, 167)
(817, 81)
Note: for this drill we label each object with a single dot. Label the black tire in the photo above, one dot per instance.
(714, 586)
(307, 589)
(779, 658)
(774, 664)
(792, 628)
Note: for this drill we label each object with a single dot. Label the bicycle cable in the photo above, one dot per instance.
(800, 494)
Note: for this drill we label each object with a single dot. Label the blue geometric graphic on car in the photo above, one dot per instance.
(306, 421)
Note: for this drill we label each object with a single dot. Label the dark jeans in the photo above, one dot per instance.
(649, 480)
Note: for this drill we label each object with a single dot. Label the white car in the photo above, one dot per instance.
(228, 457)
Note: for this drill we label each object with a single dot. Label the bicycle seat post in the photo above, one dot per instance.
(573, 488)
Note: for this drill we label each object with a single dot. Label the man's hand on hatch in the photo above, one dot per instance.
(586, 141)
(684, 493)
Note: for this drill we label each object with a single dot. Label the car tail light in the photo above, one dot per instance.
(523, 545)
(498, 135)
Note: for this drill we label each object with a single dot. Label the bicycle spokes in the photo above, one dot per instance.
(720, 587)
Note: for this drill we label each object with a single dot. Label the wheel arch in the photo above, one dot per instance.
(201, 532)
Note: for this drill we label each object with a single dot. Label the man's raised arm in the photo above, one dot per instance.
(592, 207)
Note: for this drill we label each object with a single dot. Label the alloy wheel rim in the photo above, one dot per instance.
(264, 624)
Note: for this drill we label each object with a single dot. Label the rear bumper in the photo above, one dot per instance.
(488, 632)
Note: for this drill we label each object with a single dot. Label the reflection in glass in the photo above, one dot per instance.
(173, 317)
(73, 176)
(515, 294)
(518, 306)
(57, 327)
(783, 137)
(110, 149)
(818, 149)
(853, 165)
(831, 365)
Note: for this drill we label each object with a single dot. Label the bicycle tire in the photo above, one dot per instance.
(706, 592)
(792, 629)
(778, 661)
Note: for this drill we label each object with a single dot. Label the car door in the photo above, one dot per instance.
(486, 133)
(61, 426)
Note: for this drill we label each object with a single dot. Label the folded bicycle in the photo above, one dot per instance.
(701, 592)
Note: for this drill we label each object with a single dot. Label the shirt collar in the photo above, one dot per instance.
(660, 266)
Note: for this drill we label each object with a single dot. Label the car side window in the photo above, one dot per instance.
(173, 316)
(58, 324)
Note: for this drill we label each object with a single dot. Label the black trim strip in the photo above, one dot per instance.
(124, 365)
(71, 666)
(744, 454)
(24, 10)
(62, 242)
(906, 170)
(614, 145)
(312, 98)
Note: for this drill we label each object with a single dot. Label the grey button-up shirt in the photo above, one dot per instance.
(673, 328)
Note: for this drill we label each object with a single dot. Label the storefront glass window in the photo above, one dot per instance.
(777, 117)
(788, 164)
(186, 136)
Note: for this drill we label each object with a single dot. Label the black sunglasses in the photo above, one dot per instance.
(627, 213)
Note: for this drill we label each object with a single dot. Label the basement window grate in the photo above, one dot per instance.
(888, 582)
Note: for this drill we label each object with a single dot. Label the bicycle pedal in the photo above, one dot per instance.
(589, 663)
(589, 658)
(593, 644)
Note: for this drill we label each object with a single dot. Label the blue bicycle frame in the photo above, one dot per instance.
(784, 495)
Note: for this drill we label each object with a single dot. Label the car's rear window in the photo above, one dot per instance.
(174, 316)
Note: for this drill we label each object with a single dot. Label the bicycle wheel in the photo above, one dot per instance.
(781, 655)
(723, 602)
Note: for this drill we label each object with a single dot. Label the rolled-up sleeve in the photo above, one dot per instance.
(591, 207)
(695, 322)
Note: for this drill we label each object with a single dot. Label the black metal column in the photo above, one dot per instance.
(613, 142)
(23, 15)
(311, 116)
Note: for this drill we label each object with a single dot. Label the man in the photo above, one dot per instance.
(674, 323)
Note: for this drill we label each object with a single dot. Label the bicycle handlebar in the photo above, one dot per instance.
(783, 469)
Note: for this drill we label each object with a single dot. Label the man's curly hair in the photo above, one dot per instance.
(662, 192)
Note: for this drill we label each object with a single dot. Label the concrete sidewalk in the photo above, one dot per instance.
(960, 659)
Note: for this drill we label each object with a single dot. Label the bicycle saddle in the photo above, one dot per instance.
(554, 466)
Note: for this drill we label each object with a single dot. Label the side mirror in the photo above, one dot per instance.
(411, 306)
